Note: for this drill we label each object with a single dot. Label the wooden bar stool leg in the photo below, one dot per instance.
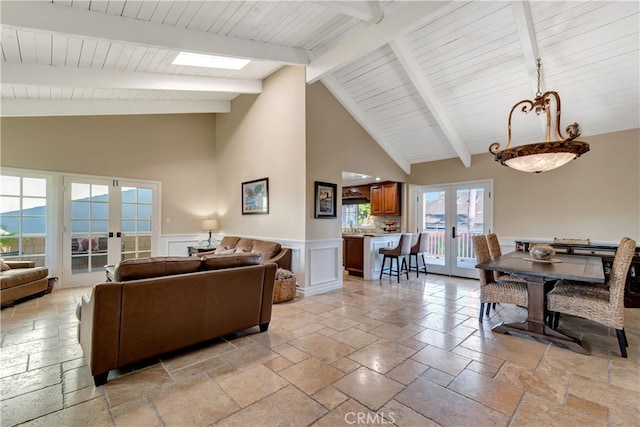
(384, 258)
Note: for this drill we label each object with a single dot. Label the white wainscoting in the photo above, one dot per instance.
(322, 266)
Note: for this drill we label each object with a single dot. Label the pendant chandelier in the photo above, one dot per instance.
(541, 156)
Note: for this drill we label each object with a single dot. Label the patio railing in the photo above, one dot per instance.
(436, 244)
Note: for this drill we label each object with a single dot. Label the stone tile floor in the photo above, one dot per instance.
(408, 354)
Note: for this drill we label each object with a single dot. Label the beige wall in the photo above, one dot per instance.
(176, 149)
(263, 136)
(337, 143)
(596, 196)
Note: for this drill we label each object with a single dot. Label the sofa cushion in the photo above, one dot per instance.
(244, 245)
(145, 268)
(218, 262)
(267, 250)
(228, 242)
(20, 276)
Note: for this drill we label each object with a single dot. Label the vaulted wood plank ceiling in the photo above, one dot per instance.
(427, 80)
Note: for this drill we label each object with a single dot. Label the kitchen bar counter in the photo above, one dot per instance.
(372, 260)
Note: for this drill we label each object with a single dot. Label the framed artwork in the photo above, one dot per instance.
(255, 197)
(326, 203)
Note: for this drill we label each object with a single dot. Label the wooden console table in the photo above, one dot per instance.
(607, 253)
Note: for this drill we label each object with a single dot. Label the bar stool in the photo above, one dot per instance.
(401, 251)
(419, 249)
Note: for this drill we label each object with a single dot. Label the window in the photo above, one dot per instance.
(357, 215)
(23, 218)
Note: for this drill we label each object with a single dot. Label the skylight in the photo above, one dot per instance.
(209, 61)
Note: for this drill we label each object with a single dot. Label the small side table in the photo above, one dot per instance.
(194, 250)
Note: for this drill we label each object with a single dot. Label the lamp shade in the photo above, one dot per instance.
(210, 224)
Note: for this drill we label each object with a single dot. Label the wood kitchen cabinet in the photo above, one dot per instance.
(353, 255)
(385, 198)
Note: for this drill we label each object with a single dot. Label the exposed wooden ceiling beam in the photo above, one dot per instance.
(50, 17)
(72, 107)
(403, 52)
(44, 75)
(527, 35)
(365, 40)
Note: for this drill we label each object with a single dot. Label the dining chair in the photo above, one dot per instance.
(597, 303)
(492, 291)
(418, 250)
(399, 252)
(495, 252)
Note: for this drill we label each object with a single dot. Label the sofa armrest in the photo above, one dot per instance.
(99, 328)
(283, 259)
(21, 264)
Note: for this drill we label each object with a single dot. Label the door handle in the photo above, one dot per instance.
(110, 234)
(119, 234)
(453, 232)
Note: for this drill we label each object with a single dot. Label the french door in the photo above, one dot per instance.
(452, 215)
(106, 221)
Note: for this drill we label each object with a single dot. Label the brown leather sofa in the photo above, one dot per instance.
(22, 280)
(161, 304)
(268, 251)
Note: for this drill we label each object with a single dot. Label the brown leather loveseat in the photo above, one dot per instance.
(22, 279)
(161, 304)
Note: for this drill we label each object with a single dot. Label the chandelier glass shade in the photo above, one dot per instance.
(541, 156)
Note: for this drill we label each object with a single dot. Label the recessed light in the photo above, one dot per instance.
(377, 178)
(209, 61)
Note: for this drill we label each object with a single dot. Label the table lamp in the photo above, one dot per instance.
(210, 225)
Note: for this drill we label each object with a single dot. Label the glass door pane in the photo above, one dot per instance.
(89, 227)
(136, 221)
(434, 223)
(470, 209)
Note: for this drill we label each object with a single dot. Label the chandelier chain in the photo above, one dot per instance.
(539, 92)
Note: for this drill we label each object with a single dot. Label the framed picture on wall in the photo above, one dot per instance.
(326, 204)
(255, 197)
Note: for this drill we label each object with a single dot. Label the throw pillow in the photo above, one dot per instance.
(220, 250)
(241, 251)
(4, 266)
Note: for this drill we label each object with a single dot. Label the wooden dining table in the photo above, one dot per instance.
(537, 274)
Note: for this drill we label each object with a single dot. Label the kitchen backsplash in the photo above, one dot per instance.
(380, 226)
